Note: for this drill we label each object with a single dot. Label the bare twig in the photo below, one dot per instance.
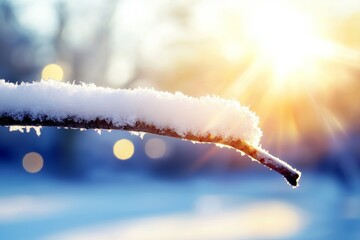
(290, 174)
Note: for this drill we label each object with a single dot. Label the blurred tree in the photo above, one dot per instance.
(17, 50)
(86, 63)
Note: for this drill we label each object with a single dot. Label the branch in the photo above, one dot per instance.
(290, 174)
(206, 119)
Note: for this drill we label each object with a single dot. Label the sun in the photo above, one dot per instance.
(289, 76)
(285, 38)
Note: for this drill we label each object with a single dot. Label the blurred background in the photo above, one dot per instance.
(295, 63)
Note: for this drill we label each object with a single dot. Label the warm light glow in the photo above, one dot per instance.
(291, 68)
(123, 149)
(286, 38)
(155, 148)
(232, 52)
(52, 71)
(33, 162)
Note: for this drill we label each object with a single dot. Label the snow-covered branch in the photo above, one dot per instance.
(206, 119)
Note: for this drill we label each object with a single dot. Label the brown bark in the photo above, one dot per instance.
(290, 174)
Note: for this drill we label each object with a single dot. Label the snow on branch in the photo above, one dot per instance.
(207, 119)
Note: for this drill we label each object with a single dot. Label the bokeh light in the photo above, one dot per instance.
(296, 64)
(52, 71)
(33, 162)
(155, 148)
(123, 149)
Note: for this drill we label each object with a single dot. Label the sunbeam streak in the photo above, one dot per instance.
(294, 74)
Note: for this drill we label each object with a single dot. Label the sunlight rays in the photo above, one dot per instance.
(286, 38)
(291, 77)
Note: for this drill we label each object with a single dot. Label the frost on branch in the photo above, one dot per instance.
(27, 129)
(206, 119)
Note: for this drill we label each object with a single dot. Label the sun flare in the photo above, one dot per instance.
(285, 38)
(295, 65)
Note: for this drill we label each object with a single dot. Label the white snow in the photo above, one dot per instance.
(27, 129)
(183, 114)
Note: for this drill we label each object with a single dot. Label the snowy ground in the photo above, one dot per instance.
(240, 206)
(140, 198)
